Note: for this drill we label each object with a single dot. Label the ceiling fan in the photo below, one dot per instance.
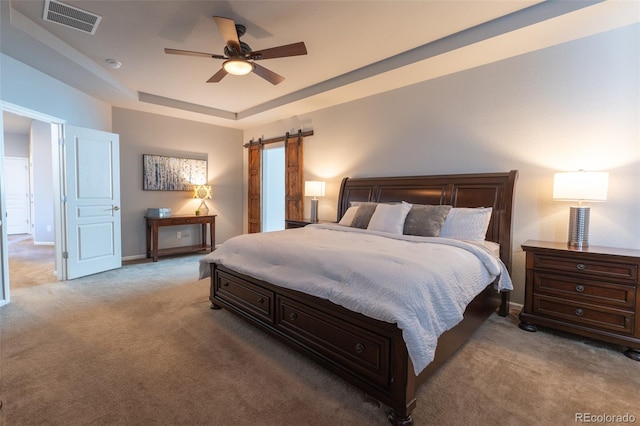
(238, 56)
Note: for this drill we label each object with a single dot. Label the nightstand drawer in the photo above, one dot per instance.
(618, 321)
(614, 295)
(591, 268)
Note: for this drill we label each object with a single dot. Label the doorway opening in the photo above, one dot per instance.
(29, 157)
(273, 188)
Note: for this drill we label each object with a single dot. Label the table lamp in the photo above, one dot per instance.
(202, 192)
(580, 186)
(314, 188)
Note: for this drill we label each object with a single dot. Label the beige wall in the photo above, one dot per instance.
(563, 108)
(144, 133)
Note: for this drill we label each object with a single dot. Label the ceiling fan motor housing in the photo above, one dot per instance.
(244, 47)
(241, 30)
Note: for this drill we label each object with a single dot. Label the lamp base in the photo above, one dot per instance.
(204, 210)
(314, 210)
(579, 227)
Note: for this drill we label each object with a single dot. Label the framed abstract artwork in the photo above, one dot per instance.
(160, 173)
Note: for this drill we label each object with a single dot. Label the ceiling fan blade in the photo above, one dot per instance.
(293, 49)
(228, 31)
(218, 76)
(191, 53)
(268, 75)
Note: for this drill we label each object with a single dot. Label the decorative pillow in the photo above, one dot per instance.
(467, 223)
(348, 216)
(363, 215)
(425, 220)
(389, 217)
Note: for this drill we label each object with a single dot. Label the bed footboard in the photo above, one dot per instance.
(368, 353)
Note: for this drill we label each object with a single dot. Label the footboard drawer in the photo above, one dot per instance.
(343, 344)
(248, 297)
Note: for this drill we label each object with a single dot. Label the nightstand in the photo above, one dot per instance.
(290, 223)
(591, 292)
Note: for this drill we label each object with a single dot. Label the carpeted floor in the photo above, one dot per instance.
(30, 264)
(140, 346)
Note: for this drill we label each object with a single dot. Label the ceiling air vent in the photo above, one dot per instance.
(70, 16)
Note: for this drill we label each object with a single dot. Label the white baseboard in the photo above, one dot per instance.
(135, 257)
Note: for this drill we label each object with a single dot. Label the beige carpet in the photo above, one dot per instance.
(30, 264)
(140, 346)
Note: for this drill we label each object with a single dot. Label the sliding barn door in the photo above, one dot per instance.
(294, 203)
(255, 187)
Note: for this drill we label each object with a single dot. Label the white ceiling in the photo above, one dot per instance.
(355, 48)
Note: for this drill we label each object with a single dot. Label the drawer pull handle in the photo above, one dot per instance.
(579, 312)
(293, 316)
(260, 301)
(580, 266)
(226, 284)
(359, 348)
(579, 288)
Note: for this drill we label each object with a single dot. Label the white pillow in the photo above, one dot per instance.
(348, 216)
(467, 223)
(389, 217)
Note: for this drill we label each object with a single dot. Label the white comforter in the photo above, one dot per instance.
(421, 284)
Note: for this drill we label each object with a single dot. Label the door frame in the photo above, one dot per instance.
(5, 296)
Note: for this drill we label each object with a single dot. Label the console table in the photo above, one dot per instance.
(154, 223)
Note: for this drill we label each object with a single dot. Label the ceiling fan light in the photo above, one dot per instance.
(237, 66)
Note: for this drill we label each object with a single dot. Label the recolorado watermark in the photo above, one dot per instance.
(604, 418)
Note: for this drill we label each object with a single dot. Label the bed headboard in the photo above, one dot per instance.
(461, 190)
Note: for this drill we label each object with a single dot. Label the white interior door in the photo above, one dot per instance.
(92, 208)
(17, 195)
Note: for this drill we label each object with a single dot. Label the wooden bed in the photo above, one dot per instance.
(369, 353)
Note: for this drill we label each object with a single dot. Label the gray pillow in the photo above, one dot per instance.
(363, 215)
(425, 220)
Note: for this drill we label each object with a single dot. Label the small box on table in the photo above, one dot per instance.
(159, 212)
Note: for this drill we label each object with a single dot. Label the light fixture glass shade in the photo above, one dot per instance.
(580, 186)
(314, 188)
(237, 66)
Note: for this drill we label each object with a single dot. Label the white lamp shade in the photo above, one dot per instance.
(314, 188)
(580, 186)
